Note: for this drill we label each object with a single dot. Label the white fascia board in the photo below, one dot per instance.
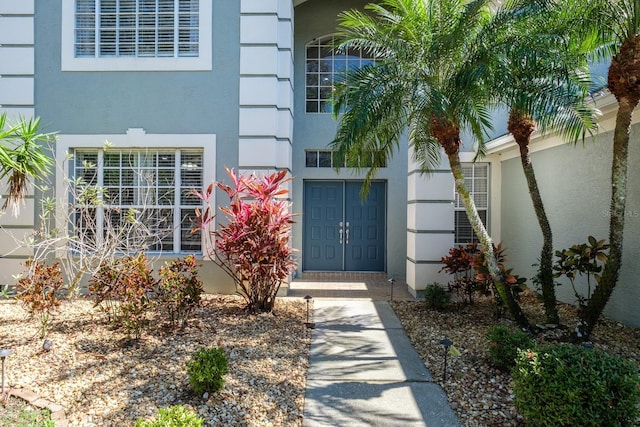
(507, 147)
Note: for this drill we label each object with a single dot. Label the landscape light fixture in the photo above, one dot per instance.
(446, 343)
(309, 324)
(392, 281)
(4, 354)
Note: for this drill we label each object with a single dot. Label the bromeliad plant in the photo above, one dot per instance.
(253, 246)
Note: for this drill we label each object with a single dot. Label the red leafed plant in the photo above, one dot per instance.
(253, 246)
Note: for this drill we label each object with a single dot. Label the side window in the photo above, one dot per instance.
(323, 68)
(476, 178)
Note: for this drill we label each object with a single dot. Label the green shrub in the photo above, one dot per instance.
(504, 343)
(570, 385)
(39, 291)
(436, 296)
(179, 289)
(174, 416)
(206, 368)
(123, 288)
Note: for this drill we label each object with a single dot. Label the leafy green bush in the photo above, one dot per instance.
(436, 296)
(39, 291)
(504, 343)
(179, 289)
(123, 288)
(570, 385)
(174, 416)
(206, 369)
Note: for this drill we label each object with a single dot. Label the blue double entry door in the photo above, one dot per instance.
(343, 232)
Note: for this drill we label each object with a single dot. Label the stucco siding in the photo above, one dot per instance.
(162, 102)
(575, 187)
(313, 19)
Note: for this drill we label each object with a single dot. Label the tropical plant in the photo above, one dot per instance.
(459, 263)
(253, 246)
(23, 158)
(179, 290)
(39, 291)
(542, 78)
(616, 23)
(430, 77)
(123, 289)
(586, 260)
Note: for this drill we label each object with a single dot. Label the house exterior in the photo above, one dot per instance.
(182, 89)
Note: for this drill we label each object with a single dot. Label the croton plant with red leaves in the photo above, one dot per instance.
(253, 245)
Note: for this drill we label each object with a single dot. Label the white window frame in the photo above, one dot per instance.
(322, 42)
(203, 62)
(474, 192)
(136, 139)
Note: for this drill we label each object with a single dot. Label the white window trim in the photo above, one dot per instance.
(468, 161)
(203, 62)
(133, 139)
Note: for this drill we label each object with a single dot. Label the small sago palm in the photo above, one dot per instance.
(428, 78)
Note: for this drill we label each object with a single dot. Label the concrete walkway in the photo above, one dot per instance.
(364, 372)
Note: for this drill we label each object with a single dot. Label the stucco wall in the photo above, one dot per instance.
(575, 187)
(312, 19)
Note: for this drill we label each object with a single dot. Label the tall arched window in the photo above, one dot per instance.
(323, 68)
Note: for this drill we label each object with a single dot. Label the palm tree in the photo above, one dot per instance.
(617, 23)
(428, 78)
(542, 79)
(22, 158)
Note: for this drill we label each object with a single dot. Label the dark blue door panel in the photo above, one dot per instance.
(365, 223)
(342, 232)
(323, 211)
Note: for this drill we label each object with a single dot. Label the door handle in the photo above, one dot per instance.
(340, 232)
(347, 232)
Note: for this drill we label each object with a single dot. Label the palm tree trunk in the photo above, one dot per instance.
(486, 243)
(604, 288)
(545, 271)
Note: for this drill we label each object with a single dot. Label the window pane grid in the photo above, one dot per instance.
(137, 28)
(324, 69)
(328, 159)
(140, 184)
(476, 177)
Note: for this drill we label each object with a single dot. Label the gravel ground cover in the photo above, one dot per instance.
(480, 394)
(103, 379)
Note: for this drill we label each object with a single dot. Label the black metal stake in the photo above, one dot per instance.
(446, 342)
(309, 324)
(392, 281)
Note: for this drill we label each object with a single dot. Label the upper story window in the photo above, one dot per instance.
(324, 68)
(136, 35)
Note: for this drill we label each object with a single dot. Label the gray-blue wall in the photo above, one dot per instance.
(317, 18)
(160, 102)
